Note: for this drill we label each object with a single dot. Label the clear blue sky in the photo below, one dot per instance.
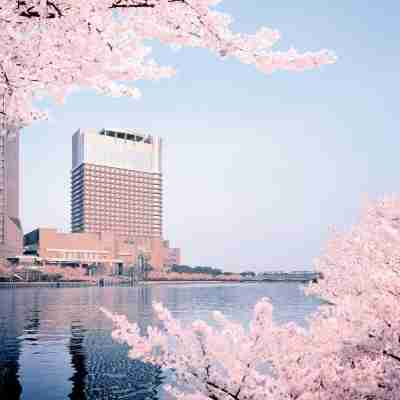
(257, 167)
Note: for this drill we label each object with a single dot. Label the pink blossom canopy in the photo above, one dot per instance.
(350, 351)
(50, 47)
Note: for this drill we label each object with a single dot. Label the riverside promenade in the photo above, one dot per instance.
(113, 282)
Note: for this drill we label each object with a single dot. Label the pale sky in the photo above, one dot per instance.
(256, 167)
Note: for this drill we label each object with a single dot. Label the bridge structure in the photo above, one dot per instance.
(280, 276)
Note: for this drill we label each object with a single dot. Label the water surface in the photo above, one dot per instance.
(56, 344)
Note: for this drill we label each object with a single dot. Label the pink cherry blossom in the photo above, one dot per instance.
(51, 47)
(350, 350)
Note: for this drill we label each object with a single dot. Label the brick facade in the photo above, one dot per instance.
(86, 248)
(126, 202)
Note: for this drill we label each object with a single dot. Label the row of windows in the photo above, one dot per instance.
(139, 222)
(120, 230)
(111, 189)
(117, 211)
(122, 217)
(106, 204)
(110, 204)
(120, 193)
(115, 225)
(122, 178)
(76, 255)
(120, 225)
(126, 136)
(118, 216)
(120, 207)
(125, 233)
(103, 169)
(87, 178)
(124, 222)
(113, 185)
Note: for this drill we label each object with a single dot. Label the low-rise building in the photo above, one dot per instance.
(114, 252)
(172, 255)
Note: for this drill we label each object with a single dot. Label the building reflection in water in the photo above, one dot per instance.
(78, 361)
(101, 367)
(144, 315)
(32, 324)
(10, 349)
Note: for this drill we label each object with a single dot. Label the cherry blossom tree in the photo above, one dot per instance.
(350, 349)
(50, 47)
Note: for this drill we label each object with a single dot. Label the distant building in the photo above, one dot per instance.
(172, 255)
(116, 183)
(108, 249)
(10, 225)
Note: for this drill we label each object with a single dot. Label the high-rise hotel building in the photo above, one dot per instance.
(116, 183)
(10, 226)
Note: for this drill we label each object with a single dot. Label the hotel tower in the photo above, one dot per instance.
(10, 225)
(116, 183)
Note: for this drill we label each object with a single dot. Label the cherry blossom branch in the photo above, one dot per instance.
(222, 389)
(139, 4)
(99, 44)
(31, 13)
(393, 356)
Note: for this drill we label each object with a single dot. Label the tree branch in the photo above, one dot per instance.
(214, 386)
(32, 13)
(139, 4)
(393, 356)
(217, 387)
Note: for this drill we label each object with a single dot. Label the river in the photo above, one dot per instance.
(56, 344)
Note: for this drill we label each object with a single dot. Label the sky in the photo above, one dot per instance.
(256, 167)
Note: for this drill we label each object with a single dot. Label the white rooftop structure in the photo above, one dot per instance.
(117, 148)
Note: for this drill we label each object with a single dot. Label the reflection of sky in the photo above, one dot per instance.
(43, 351)
(51, 360)
(236, 301)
